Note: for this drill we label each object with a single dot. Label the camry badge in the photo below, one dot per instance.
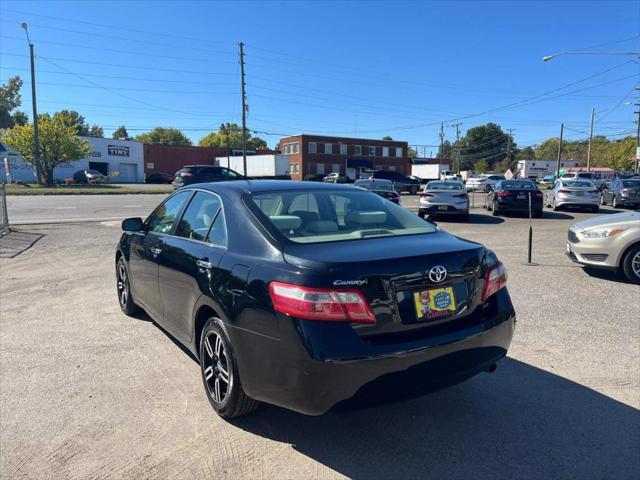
(437, 274)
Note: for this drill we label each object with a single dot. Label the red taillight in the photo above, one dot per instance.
(186, 174)
(480, 181)
(563, 190)
(423, 194)
(495, 279)
(504, 194)
(320, 303)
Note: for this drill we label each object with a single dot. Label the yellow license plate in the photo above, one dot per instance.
(434, 303)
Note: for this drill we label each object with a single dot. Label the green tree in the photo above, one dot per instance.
(96, 131)
(120, 133)
(487, 142)
(164, 136)
(219, 138)
(547, 150)
(480, 166)
(445, 151)
(10, 99)
(75, 120)
(59, 143)
(527, 153)
(387, 138)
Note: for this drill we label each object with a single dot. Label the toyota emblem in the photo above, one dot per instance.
(437, 274)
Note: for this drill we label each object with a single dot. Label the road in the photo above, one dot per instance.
(34, 209)
(87, 392)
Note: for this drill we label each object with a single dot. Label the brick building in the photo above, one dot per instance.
(318, 155)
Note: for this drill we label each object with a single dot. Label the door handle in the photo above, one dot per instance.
(156, 251)
(204, 264)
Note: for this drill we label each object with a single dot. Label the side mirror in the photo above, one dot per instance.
(133, 224)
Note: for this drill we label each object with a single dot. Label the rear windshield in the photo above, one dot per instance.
(444, 186)
(334, 216)
(519, 186)
(577, 184)
(631, 183)
(188, 170)
(374, 185)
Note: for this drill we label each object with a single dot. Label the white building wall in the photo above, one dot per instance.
(540, 168)
(258, 165)
(123, 160)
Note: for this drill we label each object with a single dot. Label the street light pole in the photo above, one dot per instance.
(559, 151)
(546, 58)
(244, 113)
(36, 139)
(593, 112)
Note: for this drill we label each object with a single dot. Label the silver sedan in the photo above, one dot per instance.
(573, 193)
(445, 197)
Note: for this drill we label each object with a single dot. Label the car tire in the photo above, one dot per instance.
(487, 189)
(631, 264)
(217, 358)
(413, 190)
(123, 286)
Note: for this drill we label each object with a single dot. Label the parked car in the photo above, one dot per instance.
(421, 181)
(597, 181)
(610, 242)
(484, 182)
(335, 177)
(548, 180)
(314, 177)
(621, 193)
(402, 182)
(89, 176)
(573, 193)
(158, 177)
(450, 175)
(511, 196)
(191, 174)
(384, 188)
(444, 198)
(301, 294)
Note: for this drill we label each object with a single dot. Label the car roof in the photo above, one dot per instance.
(254, 186)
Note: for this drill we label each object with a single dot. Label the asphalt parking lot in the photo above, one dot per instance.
(86, 392)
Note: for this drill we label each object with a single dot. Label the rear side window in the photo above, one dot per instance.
(198, 217)
(210, 171)
(163, 217)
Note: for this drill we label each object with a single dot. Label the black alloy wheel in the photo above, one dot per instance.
(125, 299)
(220, 374)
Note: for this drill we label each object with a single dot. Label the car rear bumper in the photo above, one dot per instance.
(298, 372)
(575, 201)
(458, 208)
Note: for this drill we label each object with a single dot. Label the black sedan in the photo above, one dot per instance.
(158, 177)
(192, 174)
(512, 196)
(384, 188)
(305, 294)
(622, 193)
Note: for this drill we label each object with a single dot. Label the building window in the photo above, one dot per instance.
(371, 151)
(343, 149)
(385, 151)
(328, 149)
(335, 167)
(357, 149)
(313, 147)
(320, 168)
(294, 167)
(398, 151)
(291, 148)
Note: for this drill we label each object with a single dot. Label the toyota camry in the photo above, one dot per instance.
(304, 295)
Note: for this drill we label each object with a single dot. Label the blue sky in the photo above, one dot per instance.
(365, 69)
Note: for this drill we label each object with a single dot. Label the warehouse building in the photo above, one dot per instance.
(121, 160)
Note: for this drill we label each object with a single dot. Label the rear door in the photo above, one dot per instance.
(147, 247)
(189, 261)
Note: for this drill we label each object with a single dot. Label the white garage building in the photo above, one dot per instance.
(121, 160)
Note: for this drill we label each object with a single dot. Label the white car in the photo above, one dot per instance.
(484, 182)
(610, 242)
(573, 193)
(597, 181)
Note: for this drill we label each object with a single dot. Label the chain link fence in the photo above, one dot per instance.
(4, 216)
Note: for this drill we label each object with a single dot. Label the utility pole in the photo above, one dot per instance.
(509, 140)
(244, 112)
(226, 130)
(559, 151)
(457, 125)
(36, 140)
(638, 137)
(593, 113)
(441, 134)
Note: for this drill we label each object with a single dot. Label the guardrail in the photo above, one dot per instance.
(4, 216)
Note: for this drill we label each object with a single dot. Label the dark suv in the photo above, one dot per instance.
(204, 173)
(402, 182)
